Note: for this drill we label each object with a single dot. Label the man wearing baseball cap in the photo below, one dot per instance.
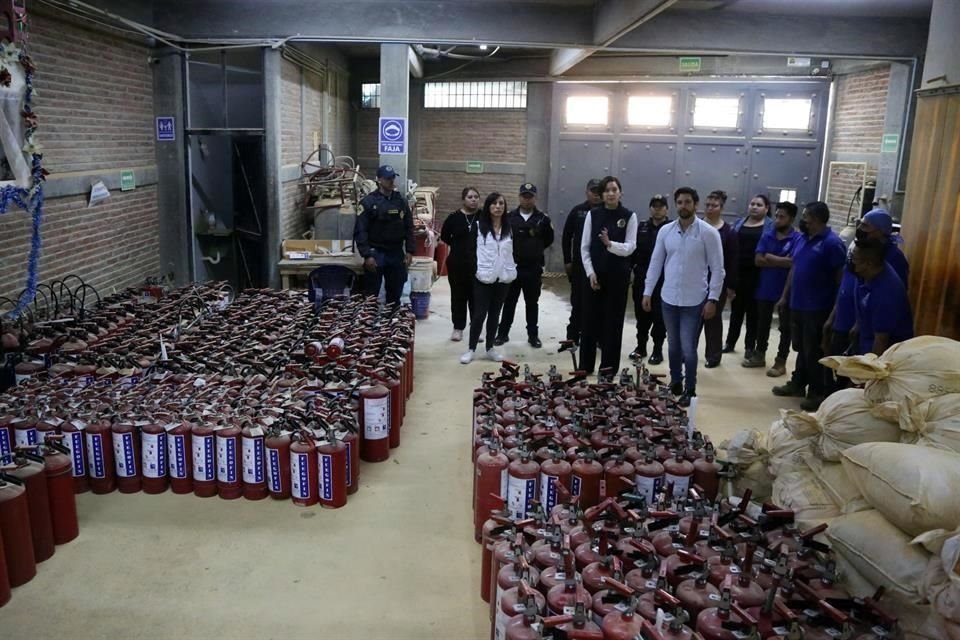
(573, 260)
(383, 236)
(532, 235)
(649, 323)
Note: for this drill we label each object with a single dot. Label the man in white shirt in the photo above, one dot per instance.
(687, 251)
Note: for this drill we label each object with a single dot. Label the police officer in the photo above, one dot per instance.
(532, 235)
(649, 323)
(383, 236)
(573, 261)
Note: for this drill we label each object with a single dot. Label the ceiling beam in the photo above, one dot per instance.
(416, 64)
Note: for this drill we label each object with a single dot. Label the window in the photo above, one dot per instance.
(370, 95)
(786, 113)
(587, 110)
(716, 113)
(649, 111)
(475, 95)
(784, 195)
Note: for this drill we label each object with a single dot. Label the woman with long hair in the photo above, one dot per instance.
(608, 241)
(749, 229)
(496, 269)
(458, 233)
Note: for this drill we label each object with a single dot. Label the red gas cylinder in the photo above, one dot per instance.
(75, 443)
(585, 482)
(618, 476)
(60, 494)
(622, 625)
(303, 472)
(6, 437)
(229, 462)
(180, 457)
(396, 410)
(575, 625)
(101, 472)
(564, 597)
(153, 452)
(351, 441)
(514, 602)
(5, 593)
(591, 551)
(725, 621)
(252, 447)
(512, 576)
(203, 442)
(696, 595)
(491, 484)
(126, 456)
(554, 472)
(334, 348)
(682, 564)
(491, 537)
(649, 478)
(31, 470)
(375, 423)
(596, 575)
(522, 476)
(651, 601)
(332, 473)
(25, 432)
(278, 464)
(706, 473)
(678, 472)
(15, 531)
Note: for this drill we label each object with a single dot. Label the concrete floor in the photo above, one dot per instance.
(399, 562)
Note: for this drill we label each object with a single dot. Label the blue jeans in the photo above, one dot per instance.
(683, 337)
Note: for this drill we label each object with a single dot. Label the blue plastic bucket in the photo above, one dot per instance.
(420, 301)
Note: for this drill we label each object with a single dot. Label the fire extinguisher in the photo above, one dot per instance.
(335, 347)
(528, 624)
(347, 434)
(24, 432)
(303, 470)
(555, 472)
(522, 475)
(62, 500)
(618, 475)
(678, 473)
(101, 472)
(375, 421)
(5, 592)
(75, 443)
(521, 598)
(126, 452)
(254, 481)
(585, 482)
(624, 623)
(180, 456)
(31, 471)
(153, 452)
(649, 478)
(203, 443)
(277, 446)
(313, 349)
(396, 409)
(229, 474)
(15, 530)
(332, 472)
(706, 472)
(491, 474)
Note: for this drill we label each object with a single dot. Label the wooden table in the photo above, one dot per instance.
(303, 268)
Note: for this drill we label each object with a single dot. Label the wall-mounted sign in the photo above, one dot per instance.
(474, 166)
(891, 142)
(128, 180)
(166, 129)
(393, 135)
(690, 64)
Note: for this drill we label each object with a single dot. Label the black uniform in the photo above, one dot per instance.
(531, 238)
(461, 264)
(384, 231)
(572, 231)
(648, 323)
(604, 308)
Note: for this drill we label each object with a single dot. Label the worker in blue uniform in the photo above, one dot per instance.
(383, 236)
(883, 312)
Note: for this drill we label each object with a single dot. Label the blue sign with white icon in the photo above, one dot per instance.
(393, 135)
(166, 131)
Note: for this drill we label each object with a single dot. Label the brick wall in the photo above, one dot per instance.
(95, 105)
(858, 125)
(366, 138)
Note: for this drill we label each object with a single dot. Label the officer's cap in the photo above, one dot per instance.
(386, 171)
(528, 187)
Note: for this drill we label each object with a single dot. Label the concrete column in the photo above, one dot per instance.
(395, 98)
(539, 108)
(941, 68)
(272, 160)
(175, 240)
(413, 138)
(898, 101)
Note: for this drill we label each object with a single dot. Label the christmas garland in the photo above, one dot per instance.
(30, 200)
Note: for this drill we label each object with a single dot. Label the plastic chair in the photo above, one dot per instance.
(329, 281)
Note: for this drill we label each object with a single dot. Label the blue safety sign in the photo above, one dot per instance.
(166, 131)
(393, 135)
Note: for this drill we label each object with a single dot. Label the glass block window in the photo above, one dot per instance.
(506, 94)
(370, 95)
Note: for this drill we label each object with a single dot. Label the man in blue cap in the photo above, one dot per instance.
(883, 312)
(876, 227)
(383, 236)
(532, 235)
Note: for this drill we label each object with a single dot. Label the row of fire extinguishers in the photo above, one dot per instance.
(600, 517)
(38, 510)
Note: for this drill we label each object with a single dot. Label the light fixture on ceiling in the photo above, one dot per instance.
(483, 47)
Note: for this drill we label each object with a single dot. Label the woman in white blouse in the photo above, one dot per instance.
(609, 239)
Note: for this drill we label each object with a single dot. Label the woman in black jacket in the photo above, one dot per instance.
(461, 261)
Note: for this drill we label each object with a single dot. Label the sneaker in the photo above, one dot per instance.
(534, 342)
(638, 353)
(655, 358)
(789, 390)
(755, 361)
(811, 403)
(467, 357)
(676, 388)
(728, 348)
(501, 340)
(457, 335)
(778, 369)
(493, 354)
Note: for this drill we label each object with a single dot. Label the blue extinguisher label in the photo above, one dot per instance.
(123, 450)
(204, 459)
(227, 459)
(349, 463)
(326, 476)
(26, 437)
(300, 475)
(95, 449)
(273, 483)
(253, 460)
(74, 442)
(520, 496)
(177, 447)
(576, 485)
(5, 448)
(548, 492)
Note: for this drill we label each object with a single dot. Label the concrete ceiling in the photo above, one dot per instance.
(834, 8)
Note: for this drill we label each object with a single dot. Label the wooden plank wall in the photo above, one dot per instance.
(931, 218)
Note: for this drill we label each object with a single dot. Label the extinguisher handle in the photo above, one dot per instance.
(664, 597)
(690, 558)
(617, 586)
(650, 632)
(810, 533)
(6, 477)
(742, 613)
(783, 610)
(720, 532)
(832, 612)
(556, 621)
(643, 545)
